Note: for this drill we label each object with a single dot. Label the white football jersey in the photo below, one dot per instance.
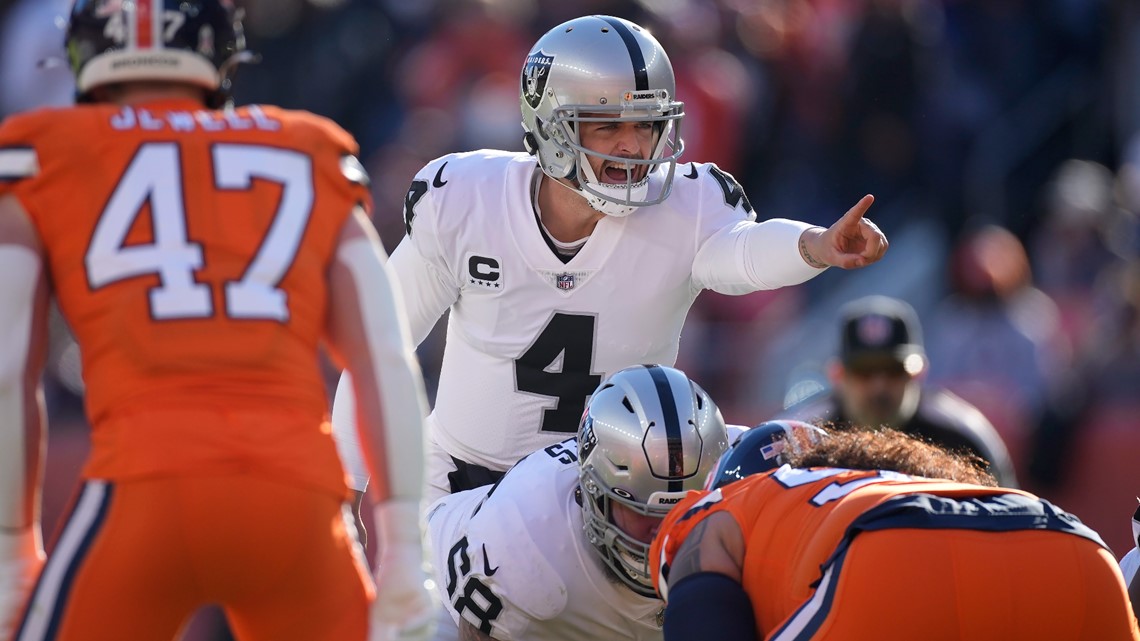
(1129, 563)
(529, 337)
(513, 560)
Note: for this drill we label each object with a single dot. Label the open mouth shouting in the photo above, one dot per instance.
(621, 172)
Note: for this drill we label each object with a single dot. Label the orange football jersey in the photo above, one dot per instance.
(792, 522)
(188, 249)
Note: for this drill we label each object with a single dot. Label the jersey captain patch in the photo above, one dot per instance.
(18, 162)
(485, 271)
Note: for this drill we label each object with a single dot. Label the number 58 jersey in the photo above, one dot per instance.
(188, 250)
(512, 560)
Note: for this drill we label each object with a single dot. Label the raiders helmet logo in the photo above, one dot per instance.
(535, 73)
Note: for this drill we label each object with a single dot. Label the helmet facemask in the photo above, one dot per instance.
(622, 199)
(601, 69)
(648, 436)
(626, 555)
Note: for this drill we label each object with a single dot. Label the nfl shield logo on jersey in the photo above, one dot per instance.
(565, 281)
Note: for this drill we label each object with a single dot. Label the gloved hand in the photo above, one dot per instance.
(405, 609)
(21, 556)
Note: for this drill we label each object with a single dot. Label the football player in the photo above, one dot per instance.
(565, 263)
(878, 535)
(201, 255)
(557, 549)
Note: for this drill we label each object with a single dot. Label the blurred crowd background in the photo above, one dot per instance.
(1000, 138)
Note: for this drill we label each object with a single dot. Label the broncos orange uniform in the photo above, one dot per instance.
(189, 249)
(845, 554)
(188, 252)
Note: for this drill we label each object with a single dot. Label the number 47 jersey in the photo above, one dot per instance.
(188, 250)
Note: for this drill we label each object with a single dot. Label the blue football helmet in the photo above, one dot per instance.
(197, 42)
(762, 448)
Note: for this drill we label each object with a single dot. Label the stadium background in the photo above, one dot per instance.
(998, 136)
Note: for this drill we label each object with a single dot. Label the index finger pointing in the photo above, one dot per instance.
(854, 214)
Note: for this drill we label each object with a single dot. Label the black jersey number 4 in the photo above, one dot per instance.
(559, 364)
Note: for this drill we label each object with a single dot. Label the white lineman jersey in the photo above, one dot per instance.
(530, 337)
(513, 560)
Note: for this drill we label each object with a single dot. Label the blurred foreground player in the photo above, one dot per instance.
(201, 255)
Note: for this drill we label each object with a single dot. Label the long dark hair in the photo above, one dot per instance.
(888, 449)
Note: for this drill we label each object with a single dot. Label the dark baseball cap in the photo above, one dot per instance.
(880, 329)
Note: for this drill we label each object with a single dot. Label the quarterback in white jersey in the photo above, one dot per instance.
(548, 553)
(583, 256)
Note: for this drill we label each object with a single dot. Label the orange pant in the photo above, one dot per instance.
(950, 585)
(135, 559)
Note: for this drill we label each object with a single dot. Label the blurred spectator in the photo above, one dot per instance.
(878, 381)
(1084, 232)
(32, 70)
(996, 339)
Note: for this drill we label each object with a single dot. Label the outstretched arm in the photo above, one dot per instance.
(23, 314)
(852, 241)
(369, 335)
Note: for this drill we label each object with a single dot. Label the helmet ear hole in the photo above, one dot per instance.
(530, 144)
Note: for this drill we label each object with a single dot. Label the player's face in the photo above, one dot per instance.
(639, 526)
(621, 139)
(876, 394)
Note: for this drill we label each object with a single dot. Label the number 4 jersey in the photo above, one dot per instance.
(529, 336)
(188, 249)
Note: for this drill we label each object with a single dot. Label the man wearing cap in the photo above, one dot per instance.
(877, 381)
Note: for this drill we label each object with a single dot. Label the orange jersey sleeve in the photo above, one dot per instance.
(792, 521)
(188, 250)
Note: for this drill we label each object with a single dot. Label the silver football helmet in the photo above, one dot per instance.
(648, 436)
(600, 68)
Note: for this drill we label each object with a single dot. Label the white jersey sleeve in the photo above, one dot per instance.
(740, 255)
(425, 272)
(1131, 561)
(512, 559)
(1129, 564)
(345, 435)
